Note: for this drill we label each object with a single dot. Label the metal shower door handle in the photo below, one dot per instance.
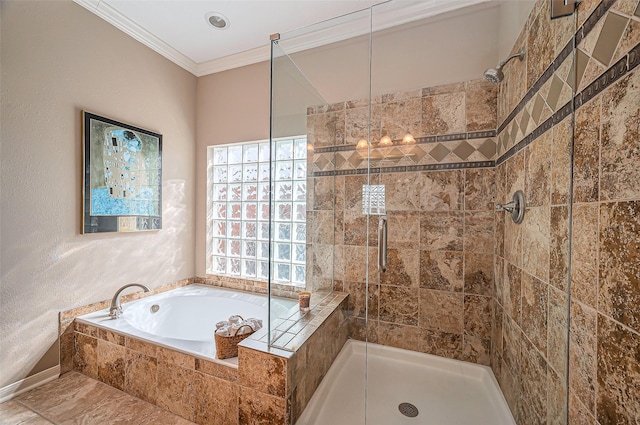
(382, 243)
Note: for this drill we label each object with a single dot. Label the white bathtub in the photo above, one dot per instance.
(185, 318)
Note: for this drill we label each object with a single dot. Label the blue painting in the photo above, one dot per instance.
(123, 177)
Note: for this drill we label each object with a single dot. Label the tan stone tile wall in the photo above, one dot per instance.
(529, 334)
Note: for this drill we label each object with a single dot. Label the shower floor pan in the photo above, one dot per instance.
(444, 391)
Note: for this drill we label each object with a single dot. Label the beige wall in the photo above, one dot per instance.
(232, 106)
(57, 59)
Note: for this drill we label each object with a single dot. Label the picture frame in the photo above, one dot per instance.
(122, 178)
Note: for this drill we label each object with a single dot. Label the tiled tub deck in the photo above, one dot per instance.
(267, 386)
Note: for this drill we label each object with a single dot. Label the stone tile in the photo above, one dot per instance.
(612, 31)
(500, 223)
(217, 370)
(535, 241)
(535, 307)
(403, 268)
(403, 229)
(441, 311)
(499, 280)
(496, 328)
(511, 345)
(618, 374)
(578, 413)
(619, 277)
(216, 401)
(357, 301)
(401, 191)
(398, 305)
(262, 371)
(540, 51)
(561, 162)
(515, 176)
(324, 193)
(513, 292)
(111, 337)
(13, 413)
(353, 191)
(584, 253)
(140, 376)
(399, 336)
(438, 190)
(176, 389)
(176, 358)
(586, 168)
(441, 231)
(355, 230)
(538, 171)
(556, 399)
(477, 317)
(442, 344)
(534, 383)
(478, 274)
(582, 354)
(585, 8)
(401, 116)
(256, 408)
(476, 350)
(630, 37)
(441, 270)
(86, 329)
(111, 364)
(66, 348)
(559, 248)
(557, 328)
(480, 189)
(443, 114)
(620, 175)
(68, 397)
(479, 231)
(358, 124)
(85, 358)
(481, 105)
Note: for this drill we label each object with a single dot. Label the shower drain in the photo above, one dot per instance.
(408, 409)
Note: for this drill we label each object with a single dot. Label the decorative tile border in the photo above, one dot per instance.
(407, 168)
(540, 109)
(610, 76)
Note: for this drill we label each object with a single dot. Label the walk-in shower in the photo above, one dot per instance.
(460, 280)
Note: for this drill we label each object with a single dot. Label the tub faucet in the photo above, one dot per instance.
(116, 309)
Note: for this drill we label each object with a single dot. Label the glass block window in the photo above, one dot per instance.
(238, 210)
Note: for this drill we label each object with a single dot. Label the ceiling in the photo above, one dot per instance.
(179, 30)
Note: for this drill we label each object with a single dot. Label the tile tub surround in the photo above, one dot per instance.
(534, 146)
(265, 387)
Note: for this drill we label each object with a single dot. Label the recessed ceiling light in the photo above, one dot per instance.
(217, 20)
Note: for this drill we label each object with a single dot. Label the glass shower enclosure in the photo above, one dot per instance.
(409, 150)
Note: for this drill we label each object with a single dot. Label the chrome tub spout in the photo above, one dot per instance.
(116, 309)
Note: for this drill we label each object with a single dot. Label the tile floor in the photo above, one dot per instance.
(77, 399)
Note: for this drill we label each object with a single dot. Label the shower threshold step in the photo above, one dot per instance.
(389, 385)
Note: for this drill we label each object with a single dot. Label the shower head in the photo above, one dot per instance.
(495, 75)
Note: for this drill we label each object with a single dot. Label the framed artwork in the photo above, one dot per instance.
(122, 190)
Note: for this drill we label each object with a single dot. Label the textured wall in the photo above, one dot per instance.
(57, 59)
(532, 261)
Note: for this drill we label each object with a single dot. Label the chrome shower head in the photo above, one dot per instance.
(495, 75)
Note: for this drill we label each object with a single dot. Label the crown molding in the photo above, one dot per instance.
(331, 31)
(120, 21)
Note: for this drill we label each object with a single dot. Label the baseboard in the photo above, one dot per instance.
(26, 384)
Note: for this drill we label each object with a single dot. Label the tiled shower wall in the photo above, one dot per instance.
(535, 101)
(436, 295)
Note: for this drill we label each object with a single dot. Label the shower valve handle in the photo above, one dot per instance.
(382, 244)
